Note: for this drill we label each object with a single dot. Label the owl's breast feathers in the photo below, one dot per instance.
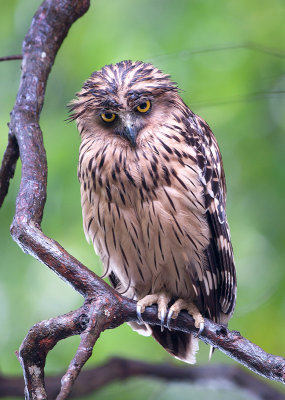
(155, 213)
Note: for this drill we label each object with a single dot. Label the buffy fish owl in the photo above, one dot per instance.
(153, 199)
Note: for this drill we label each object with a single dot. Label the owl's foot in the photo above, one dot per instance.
(182, 304)
(161, 299)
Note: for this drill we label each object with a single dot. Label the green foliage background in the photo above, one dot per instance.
(210, 49)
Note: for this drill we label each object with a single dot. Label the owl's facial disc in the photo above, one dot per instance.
(134, 120)
(123, 124)
(128, 122)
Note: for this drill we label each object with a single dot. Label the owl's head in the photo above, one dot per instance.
(124, 99)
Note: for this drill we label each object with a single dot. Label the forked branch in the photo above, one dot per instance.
(103, 307)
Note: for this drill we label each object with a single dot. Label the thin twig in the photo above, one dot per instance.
(10, 58)
(248, 97)
(252, 46)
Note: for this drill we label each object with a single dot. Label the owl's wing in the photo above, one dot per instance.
(220, 301)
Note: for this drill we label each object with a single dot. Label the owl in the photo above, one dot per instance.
(153, 199)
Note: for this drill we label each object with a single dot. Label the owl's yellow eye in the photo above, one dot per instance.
(144, 107)
(108, 117)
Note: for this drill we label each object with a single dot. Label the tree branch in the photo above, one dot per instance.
(100, 313)
(103, 308)
(120, 369)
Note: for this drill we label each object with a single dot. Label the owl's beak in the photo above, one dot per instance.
(131, 133)
(129, 129)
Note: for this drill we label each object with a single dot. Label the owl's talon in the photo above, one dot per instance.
(162, 319)
(169, 316)
(139, 315)
(201, 328)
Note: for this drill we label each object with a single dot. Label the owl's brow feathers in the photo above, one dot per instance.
(101, 90)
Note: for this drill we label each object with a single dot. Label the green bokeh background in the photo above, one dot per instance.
(228, 57)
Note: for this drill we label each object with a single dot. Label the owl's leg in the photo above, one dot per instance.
(161, 299)
(190, 307)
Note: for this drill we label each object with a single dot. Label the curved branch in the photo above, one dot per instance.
(105, 312)
(104, 308)
(229, 342)
(49, 27)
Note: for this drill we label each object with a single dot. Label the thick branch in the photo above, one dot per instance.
(48, 29)
(101, 313)
(120, 369)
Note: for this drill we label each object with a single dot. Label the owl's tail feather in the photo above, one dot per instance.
(179, 344)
